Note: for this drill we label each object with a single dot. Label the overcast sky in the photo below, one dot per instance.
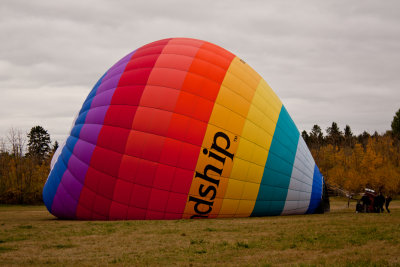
(327, 60)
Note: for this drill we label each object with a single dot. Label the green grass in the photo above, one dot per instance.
(29, 235)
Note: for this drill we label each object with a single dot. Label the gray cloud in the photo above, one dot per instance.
(327, 60)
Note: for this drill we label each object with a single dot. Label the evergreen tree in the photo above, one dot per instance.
(55, 146)
(316, 138)
(306, 138)
(396, 125)
(363, 139)
(348, 136)
(316, 132)
(39, 143)
(334, 135)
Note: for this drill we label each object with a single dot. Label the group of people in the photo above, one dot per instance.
(370, 202)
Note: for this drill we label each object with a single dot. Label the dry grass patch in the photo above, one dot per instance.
(29, 235)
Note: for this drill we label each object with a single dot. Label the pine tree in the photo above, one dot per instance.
(335, 136)
(305, 136)
(363, 139)
(316, 135)
(39, 143)
(55, 146)
(348, 136)
(396, 125)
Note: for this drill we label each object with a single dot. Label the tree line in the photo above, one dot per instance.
(355, 162)
(24, 165)
(347, 161)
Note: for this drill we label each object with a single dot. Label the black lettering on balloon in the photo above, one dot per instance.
(208, 190)
(219, 151)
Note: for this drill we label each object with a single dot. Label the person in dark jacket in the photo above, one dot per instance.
(379, 201)
(387, 202)
(365, 202)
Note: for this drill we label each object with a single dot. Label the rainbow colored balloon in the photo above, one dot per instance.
(182, 128)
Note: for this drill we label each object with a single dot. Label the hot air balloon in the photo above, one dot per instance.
(182, 128)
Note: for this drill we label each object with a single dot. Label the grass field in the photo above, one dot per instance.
(29, 235)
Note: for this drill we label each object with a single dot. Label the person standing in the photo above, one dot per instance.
(348, 200)
(379, 201)
(365, 202)
(387, 202)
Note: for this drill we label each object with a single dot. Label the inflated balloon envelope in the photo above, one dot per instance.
(182, 128)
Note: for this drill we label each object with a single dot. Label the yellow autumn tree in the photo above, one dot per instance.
(372, 163)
